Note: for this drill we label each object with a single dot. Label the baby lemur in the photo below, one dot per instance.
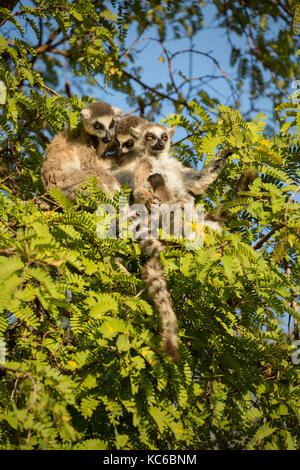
(124, 166)
(160, 189)
(71, 159)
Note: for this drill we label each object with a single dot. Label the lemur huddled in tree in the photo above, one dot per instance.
(152, 173)
(70, 160)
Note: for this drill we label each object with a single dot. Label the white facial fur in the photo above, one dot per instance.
(127, 143)
(103, 127)
(106, 125)
(156, 139)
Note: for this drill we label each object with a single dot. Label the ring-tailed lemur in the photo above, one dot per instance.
(153, 171)
(70, 160)
(124, 168)
(181, 181)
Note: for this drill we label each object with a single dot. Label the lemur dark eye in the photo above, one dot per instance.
(164, 137)
(128, 143)
(149, 136)
(112, 124)
(98, 125)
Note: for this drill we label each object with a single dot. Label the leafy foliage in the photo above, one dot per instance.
(80, 351)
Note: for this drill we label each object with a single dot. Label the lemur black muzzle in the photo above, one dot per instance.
(159, 145)
(107, 137)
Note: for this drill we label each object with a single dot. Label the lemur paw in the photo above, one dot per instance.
(143, 196)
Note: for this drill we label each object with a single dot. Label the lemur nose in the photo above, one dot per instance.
(107, 137)
(160, 144)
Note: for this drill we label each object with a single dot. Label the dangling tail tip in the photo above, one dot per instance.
(172, 352)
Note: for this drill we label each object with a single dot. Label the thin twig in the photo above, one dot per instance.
(120, 265)
(293, 305)
(50, 89)
(124, 54)
(154, 90)
(35, 391)
(188, 137)
(287, 205)
(48, 43)
(266, 237)
(8, 226)
(140, 293)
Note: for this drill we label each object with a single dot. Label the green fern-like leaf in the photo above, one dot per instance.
(296, 18)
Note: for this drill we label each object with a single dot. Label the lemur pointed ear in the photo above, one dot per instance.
(118, 112)
(172, 130)
(85, 113)
(135, 133)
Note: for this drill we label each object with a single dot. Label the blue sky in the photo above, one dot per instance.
(211, 39)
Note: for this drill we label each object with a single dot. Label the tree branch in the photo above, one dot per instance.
(45, 47)
(157, 92)
(260, 242)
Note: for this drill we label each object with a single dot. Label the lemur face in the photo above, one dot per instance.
(126, 144)
(124, 138)
(99, 119)
(103, 127)
(154, 138)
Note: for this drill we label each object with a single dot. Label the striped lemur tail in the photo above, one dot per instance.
(154, 279)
